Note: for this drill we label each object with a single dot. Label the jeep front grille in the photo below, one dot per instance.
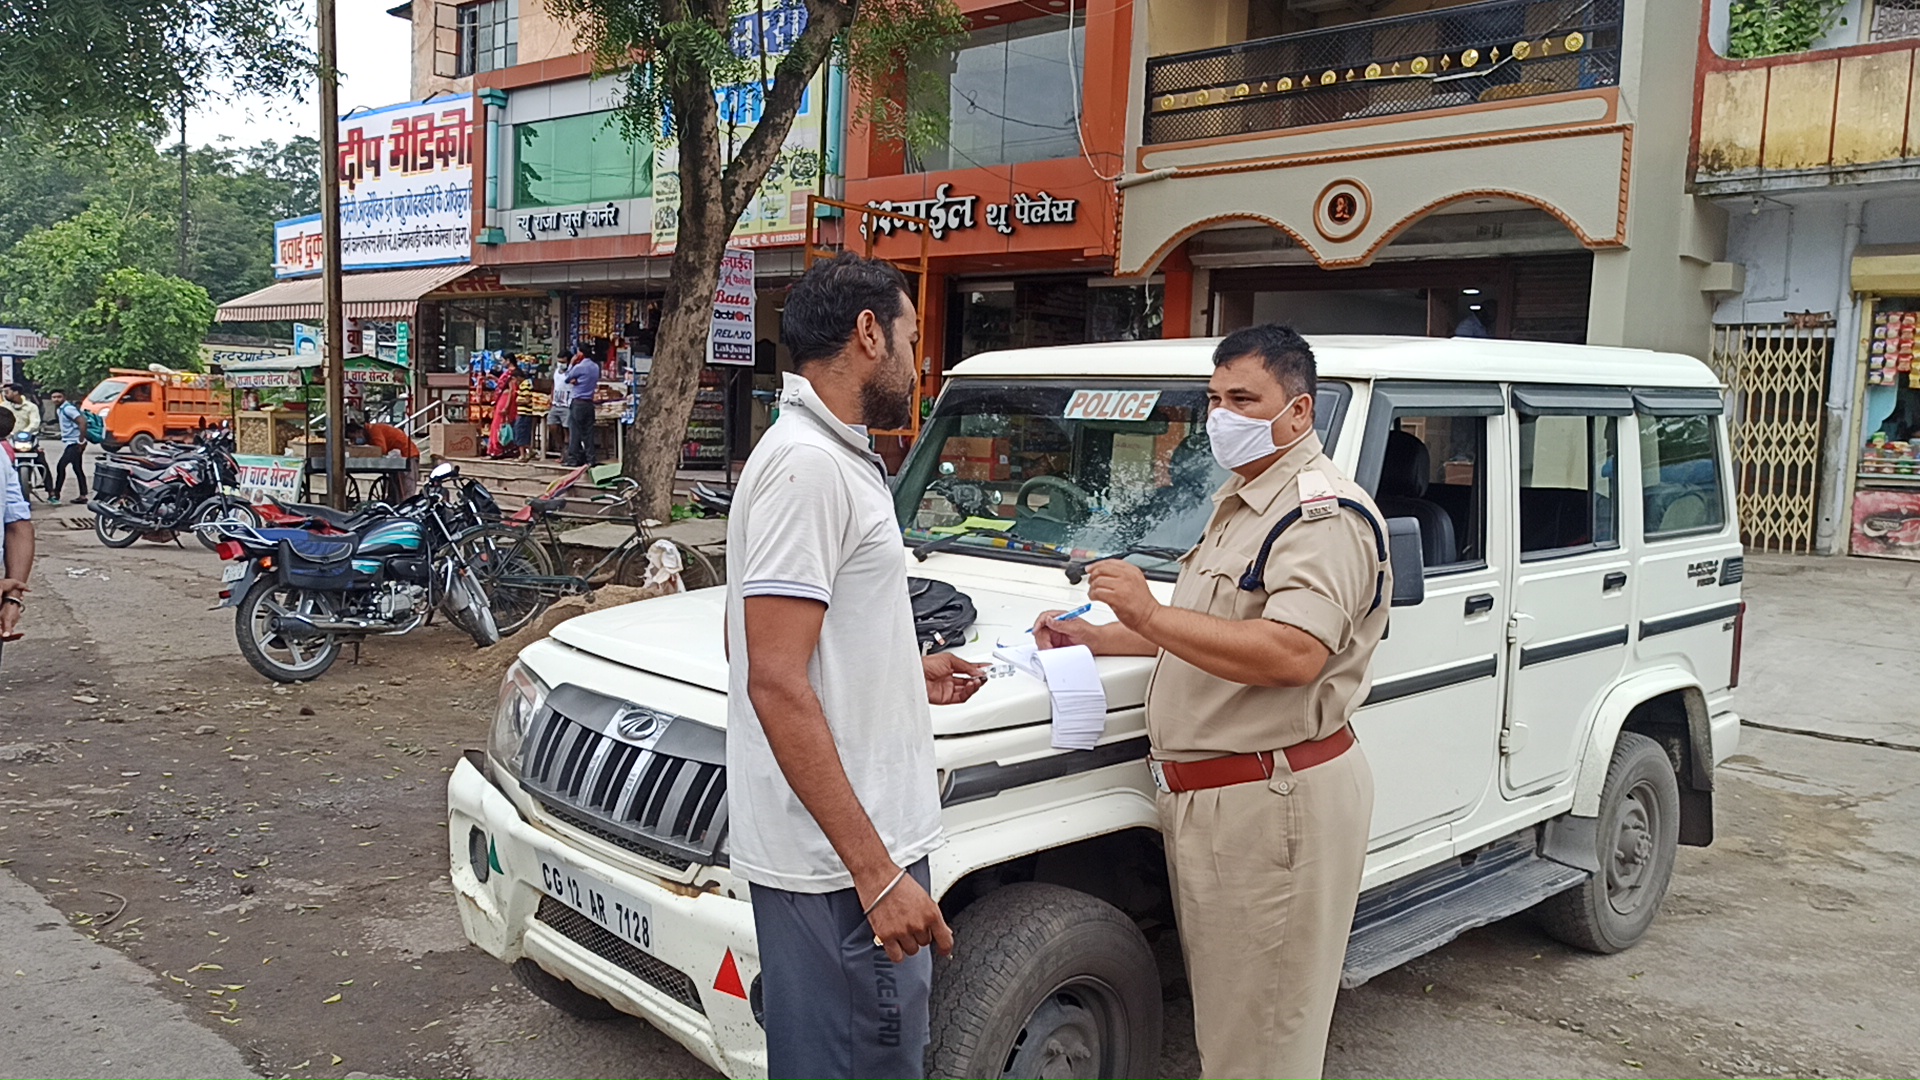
(662, 796)
(585, 933)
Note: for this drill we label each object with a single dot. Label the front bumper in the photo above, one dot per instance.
(674, 985)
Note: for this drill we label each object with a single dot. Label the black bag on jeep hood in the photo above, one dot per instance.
(941, 614)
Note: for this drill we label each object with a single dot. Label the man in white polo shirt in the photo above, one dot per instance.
(835, 806)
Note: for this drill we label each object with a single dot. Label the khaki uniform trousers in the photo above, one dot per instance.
(1265, 877)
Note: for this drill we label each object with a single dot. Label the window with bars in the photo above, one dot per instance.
(1894, 20)
(489, 36)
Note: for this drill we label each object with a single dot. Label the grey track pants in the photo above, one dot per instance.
(835, 1006)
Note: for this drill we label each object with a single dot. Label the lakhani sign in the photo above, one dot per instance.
(406, 178)
(533, 225)
(946, 212)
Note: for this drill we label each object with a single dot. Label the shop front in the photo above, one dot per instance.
(1885, 479)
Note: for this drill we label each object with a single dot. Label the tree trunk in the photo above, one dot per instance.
(659, 428)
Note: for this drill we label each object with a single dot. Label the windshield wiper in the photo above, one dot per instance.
(942, 543)
(1077, 571)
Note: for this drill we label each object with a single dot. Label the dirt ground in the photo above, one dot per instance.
(277, 858)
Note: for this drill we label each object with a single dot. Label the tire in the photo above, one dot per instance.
(141, 443)
(1045, 981)
(258, 643)
(220, 508)
(1637, 837)
(561, 994)
(113, 532)
(499, 555)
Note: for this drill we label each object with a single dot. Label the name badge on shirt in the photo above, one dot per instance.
(1317, 497)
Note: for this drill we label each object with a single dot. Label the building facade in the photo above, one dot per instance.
(1509, 168)
(1815, 156)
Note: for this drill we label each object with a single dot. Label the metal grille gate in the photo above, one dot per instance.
(1776, 376)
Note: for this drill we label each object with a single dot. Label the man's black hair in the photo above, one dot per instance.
(1281, 350)
(6, 423)
(825, 305)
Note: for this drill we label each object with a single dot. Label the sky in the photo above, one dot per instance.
(375, 51)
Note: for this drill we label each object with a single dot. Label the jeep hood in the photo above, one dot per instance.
(679, 637)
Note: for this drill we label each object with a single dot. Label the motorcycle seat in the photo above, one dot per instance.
(319, 549)
(344, 520)
(141, 471)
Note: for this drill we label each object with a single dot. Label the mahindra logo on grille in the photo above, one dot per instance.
(639, 725)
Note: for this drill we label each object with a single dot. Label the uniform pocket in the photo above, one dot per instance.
(1216, 587)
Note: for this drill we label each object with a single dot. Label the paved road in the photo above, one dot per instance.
(1784, 949)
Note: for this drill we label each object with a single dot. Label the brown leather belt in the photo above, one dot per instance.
(1173, 776)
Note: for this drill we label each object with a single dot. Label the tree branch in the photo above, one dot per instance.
(825, 20)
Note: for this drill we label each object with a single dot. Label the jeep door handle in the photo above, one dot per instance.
(1615, 580)
(1479, 604)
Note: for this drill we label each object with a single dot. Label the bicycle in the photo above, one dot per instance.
(518, 559)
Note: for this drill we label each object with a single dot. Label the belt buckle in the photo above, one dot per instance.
(1159, 776)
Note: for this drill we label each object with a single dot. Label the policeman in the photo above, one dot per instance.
(1265, 798)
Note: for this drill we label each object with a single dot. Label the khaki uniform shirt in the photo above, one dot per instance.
(1322, 576)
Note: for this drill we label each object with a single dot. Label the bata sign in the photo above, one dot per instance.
(730, 340)
(946, 212)
(406, 198)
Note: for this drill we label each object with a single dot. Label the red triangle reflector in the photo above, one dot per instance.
(728, 981)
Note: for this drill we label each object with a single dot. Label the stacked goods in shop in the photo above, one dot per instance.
(1892, 457)
(1890, 352)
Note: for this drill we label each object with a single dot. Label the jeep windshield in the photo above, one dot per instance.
(1054, 471)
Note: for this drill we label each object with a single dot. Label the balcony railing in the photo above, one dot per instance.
(1456, 56)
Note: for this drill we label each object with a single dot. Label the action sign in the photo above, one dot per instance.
(731, 339)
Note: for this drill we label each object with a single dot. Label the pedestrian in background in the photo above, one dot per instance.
(1265, 798)
(73, 447)
(820, 632)
(583, 382)
(16, 540)
(557, 412)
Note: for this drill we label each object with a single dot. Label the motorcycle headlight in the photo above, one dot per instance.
(522, 695)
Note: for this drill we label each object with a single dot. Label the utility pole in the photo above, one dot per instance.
(334, 347)
(185, 212)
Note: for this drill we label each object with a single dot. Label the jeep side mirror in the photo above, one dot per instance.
(1409, 566)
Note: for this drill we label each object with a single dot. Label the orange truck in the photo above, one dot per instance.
(136, 409)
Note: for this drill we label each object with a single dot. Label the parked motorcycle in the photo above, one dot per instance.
(298, 594)
(174, 490)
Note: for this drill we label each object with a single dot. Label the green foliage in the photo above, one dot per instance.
(83, 70)
(138, 318)
(1773, 27)
(898, 55)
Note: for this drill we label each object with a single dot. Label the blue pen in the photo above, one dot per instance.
(1074, 614)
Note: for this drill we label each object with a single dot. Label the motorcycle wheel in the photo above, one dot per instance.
(220, 508)
(114, 532)
(500, 558)
(282, 658)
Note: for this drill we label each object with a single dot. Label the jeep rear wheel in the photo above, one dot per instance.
(1638, 834)
(1045, 982)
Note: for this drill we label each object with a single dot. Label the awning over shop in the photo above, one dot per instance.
(1887, 270)
(377, 294)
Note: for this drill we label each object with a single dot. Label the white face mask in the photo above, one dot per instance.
(1237, 439)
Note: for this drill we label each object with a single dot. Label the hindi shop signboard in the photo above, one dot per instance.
(730, 340)
(262, 477)
(406, 192)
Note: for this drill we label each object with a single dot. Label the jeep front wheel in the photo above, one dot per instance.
(1638, 834)
(1045, 982)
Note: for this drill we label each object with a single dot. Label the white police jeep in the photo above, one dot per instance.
(1543, 727)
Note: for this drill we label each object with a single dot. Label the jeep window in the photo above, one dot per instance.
(1434, 471)
(1680, 475)
(107, 392)
(1568, 476)
(1004, 464)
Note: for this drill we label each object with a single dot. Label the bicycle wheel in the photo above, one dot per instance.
(504, 560)
(697, 571)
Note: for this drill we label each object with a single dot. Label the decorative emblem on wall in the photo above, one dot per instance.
(1342, 210)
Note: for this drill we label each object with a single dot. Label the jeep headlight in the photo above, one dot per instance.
(522, 695)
